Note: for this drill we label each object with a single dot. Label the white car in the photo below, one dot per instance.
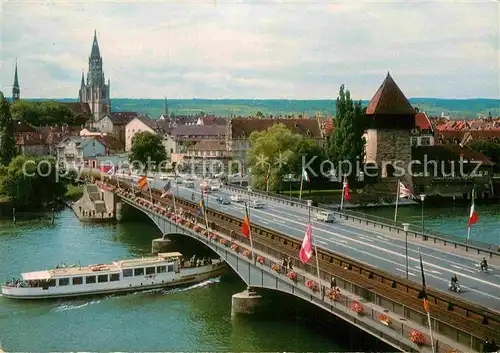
(214, 187)
(327, 217)
(237, 198)
(256, 204)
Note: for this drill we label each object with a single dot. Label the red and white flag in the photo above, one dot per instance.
(305, 252)
(347, 194)
(473, 217)
(404, 191)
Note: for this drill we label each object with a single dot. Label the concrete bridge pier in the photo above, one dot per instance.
(159, 245)
(245, 302)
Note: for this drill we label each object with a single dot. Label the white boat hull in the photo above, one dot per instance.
(127, 284)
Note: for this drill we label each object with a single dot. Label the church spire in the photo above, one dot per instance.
(95, 53)
(83, 81)
(165, 108)
(16, 91)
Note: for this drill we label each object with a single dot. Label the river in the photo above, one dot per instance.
(195, 318)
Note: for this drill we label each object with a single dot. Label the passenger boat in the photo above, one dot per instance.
(164, 270)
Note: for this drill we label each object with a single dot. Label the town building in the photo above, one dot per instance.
(423, 132)
(239, 131)
(139, 124)
(180, 139)
(94, 90)
(115, 123)
(76, 152)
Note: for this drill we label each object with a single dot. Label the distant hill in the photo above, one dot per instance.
(456, 108)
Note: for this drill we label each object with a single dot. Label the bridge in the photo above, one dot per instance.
(368, 261)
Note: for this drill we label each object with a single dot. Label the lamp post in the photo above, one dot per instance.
(405, 227)
(309, 203)
(422, 199)
(249, 189)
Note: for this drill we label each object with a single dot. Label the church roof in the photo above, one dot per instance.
(16, 80)
(122, 118)
(78, 108)
(95, 53)
(389, 99)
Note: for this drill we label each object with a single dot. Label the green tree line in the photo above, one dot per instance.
(44, 113)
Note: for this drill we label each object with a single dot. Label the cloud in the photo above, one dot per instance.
(294, 49)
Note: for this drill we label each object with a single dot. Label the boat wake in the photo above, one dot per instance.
(197, 285)
(66, 306)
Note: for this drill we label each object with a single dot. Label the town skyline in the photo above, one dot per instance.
(254, 51)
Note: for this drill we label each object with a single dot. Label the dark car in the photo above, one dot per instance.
(224, 200)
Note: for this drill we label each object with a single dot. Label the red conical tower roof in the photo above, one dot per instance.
(389, 100)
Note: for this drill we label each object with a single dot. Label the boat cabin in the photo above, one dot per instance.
(92, 274)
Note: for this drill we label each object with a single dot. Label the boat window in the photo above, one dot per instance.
(77, 280)
(102, 278)
(52, 282)
(161, 269)
(150, 270)
(90, 279)
(128, 273)
(170, 268)
(138, 271)
(63, 281)
(114, 277)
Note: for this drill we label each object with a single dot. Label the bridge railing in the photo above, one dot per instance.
(380, 222)
(402, 327)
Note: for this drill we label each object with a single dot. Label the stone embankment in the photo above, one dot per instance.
(92, 206)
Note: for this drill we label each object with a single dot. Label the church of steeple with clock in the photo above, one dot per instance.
(94, 90)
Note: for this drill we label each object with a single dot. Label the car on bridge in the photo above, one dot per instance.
(324, 216)
(256, 204)
(237, 198)
(224, 200)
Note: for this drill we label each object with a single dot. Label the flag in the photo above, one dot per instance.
(473, 217)
(245, 227)
(404, 191)
(423, 295)
(143, 182)
(166, 189)
(347, 194)
(305, 176)
(201, 209)
(305, 252)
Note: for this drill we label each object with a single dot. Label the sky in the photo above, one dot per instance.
(254, 49)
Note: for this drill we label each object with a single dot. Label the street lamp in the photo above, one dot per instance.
(422, 198)
(405, 227)
(249, 189)
(309, 203)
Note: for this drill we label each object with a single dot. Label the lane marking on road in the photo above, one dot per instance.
(365, 238)
(428, 271)
(404, 271)
(322, 242)
(463, 268)
(264, 220)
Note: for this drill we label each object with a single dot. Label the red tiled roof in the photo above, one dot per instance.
(448, 153)
(389, 99)
(78, 108)
(422, 121)
(209, 145)
(243, 127)
(22, 126)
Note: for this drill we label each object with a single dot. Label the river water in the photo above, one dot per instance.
(195, 318)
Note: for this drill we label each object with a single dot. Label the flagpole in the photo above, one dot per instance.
(301, 184)
(468, 227)
(426, 305)
(250, 232)
(343, 191)
(309, 203)
(397, 202)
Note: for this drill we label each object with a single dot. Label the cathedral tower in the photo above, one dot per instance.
(95, 91)
(388, 142)
(16, 91)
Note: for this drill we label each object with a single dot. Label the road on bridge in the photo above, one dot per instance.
(376, 247)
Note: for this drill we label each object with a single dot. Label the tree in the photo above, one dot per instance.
(346, 143)
(147, 147)
(278, 151)
(7, 140)
(44, 113)
(28, 181)
(489, 149)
